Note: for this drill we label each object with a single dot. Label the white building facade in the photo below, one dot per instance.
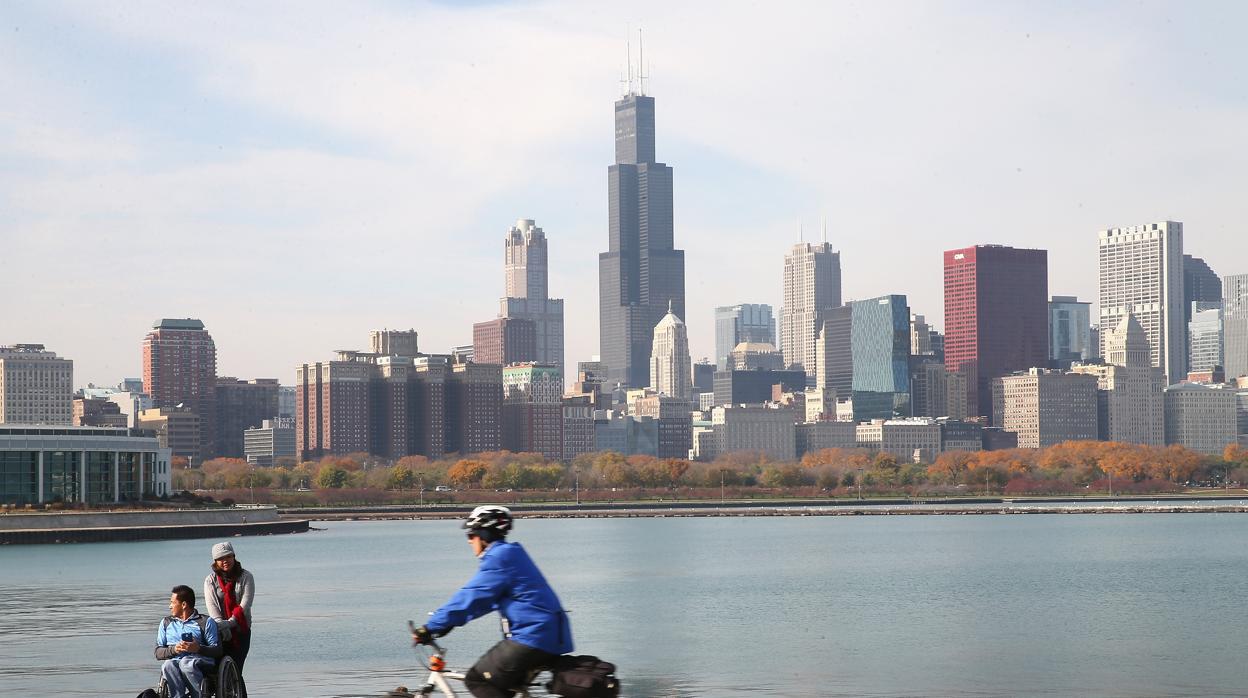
(36, 386)
(1141, 274)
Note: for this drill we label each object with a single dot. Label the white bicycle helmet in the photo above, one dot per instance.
(489, 517)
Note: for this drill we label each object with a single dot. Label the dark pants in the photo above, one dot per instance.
(237, 649)
(504, 668)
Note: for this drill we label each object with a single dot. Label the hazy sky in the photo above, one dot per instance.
(296, 175)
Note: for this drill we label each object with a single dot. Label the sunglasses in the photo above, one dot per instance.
(472, 535)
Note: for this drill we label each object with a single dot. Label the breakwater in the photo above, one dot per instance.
(157, 524)
(806, 507)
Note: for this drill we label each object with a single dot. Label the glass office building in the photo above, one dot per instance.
(90, 465)
(880, 339)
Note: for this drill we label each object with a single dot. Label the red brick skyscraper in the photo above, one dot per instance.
(180, 367)
(996, 316)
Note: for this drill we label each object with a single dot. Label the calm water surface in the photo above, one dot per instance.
(1114, 605)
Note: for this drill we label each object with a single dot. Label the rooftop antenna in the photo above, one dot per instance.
(641, 62)
(801, 233)
(823, 225)
(628, 53)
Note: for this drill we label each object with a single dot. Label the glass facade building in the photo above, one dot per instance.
(92, 465)
(880, 342)
(746, 322)
(1070, 330)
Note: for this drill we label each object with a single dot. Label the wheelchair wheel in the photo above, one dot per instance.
(229, 685)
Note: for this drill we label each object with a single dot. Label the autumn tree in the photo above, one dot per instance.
(467, 473)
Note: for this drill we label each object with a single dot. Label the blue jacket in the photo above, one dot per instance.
(170, 633)
(508, 582)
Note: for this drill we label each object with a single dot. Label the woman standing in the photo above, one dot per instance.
(228, 591)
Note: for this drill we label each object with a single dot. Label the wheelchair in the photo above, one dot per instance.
(223, 683)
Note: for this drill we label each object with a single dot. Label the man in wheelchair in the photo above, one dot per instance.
(188, 644)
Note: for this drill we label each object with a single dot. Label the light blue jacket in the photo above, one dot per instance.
(508, 582)
(170, 633)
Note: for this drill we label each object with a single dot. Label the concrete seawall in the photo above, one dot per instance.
(86, 527)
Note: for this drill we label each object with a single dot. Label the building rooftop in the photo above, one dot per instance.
(178, 324)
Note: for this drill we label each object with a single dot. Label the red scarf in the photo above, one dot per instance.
(232, 609)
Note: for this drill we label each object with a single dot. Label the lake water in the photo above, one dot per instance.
(1114, 605)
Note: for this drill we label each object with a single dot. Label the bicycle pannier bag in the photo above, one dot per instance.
(584, 676)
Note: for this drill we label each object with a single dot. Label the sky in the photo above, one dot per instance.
(298, 174)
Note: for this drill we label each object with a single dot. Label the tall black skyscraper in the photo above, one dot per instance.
(642, 271)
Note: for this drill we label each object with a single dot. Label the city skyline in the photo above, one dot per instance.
(239, 172)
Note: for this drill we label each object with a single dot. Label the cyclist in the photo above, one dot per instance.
(536, 628)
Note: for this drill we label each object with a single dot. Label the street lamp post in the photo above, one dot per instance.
(860, 484)
(721, 487)
(422, 490)
(578, 484)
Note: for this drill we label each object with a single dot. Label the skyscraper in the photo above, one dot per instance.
(669, 358)
(1235, 325)
(1129, 398)
(812, 287)
(745, 322)
(180, 368)
(526, 271)
(641, 272)
(880, 341)
(1204, 336)
(1141, 273)
(36, 387)
(1069, 330)
(996, 316)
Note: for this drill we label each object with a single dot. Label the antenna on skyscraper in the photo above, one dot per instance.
(823, 227)
(801, 233)
(641, 63)
(628, 58)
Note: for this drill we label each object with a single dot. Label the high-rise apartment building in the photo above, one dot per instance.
(526, 272)
(641, 272)
(1141, 273)
(474, 413)
(1200, 417)
(834, 352)
(670, 364)
(1130, 408)
(880, 342)
(242, 405)
(1046, 407)
(395, 406)
(812, 287)
(1204, 337)
(180, 368)
(996, 316)
(533, 409)
(504, 340)
(36, 387)
(1235, 325)
(1070, 330)
(745, 322)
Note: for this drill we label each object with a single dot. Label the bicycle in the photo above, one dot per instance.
(440, 677)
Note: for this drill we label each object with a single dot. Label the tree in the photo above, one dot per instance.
(467, 473)
(400, 477)
(331, 476)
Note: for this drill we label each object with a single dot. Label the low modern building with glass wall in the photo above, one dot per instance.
(93, 465)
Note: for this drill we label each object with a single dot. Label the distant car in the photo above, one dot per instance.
(442, 488)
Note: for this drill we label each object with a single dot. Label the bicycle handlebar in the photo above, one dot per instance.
(411, 625)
